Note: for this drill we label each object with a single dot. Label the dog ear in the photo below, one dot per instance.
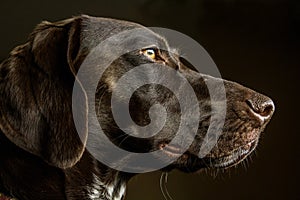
(36, 84)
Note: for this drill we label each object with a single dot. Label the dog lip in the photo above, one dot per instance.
(171, 150)
(236, 156)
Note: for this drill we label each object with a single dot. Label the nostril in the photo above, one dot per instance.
(267, 110)
(262, 108)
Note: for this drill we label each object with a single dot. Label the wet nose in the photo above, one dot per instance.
(261, 106)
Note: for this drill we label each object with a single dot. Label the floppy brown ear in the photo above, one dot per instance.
(36, 84)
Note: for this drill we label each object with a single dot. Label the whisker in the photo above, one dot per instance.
(127, 136)
(163, 186)
(120, 136)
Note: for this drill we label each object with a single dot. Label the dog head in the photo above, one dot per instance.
(36, 101)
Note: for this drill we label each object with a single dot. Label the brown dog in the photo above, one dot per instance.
(41, 153)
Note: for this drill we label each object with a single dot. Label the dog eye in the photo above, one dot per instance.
(150, 53)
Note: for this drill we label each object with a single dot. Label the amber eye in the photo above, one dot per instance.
(151, 53)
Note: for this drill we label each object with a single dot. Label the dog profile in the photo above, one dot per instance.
(41, 153)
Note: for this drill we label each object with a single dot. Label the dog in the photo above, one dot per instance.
(42, 156)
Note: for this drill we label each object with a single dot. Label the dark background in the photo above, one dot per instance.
(253, 42)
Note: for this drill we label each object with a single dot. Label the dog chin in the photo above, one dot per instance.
(191, 163)
(235, 157)
(187, 163)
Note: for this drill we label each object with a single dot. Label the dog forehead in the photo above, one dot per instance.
(97, 29)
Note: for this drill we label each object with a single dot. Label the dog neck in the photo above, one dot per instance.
(91, 180)
(5, 197)
(113, 190)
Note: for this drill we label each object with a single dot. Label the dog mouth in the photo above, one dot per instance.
(171, 150)
(235, 157)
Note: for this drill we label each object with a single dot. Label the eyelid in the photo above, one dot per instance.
(154, 47)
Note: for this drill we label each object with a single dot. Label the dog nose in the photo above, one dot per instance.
(261, 106)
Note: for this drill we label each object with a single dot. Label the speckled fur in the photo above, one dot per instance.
(41, 154)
